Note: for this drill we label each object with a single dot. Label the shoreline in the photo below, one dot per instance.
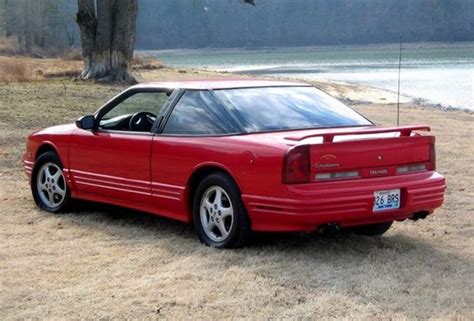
(349, 93)
(51, 69)
(407, 45)
(376, 95)
(306, 63)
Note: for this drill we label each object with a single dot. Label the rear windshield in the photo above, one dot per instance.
(287, 108)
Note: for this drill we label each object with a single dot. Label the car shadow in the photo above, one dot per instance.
(371, 269)
(116, 216)
(123, 217)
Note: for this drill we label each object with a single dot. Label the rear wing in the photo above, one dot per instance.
(329, 135)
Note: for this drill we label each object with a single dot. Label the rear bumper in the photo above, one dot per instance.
(346, 203)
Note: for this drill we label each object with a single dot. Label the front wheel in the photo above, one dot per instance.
(219, 215)
(48, 184)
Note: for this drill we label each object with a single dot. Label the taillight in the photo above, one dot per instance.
(432, 165)
(411, 168)
(296, 165)
(336, 175)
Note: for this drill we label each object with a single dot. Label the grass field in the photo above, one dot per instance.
(107, 262)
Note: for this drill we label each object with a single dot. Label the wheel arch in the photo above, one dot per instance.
(47, 146)
(44, 148)
(197, 175)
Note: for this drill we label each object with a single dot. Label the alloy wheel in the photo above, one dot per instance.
(217, 213)
(51, 185)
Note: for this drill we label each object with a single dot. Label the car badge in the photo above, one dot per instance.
(327, 157)
(376, 172)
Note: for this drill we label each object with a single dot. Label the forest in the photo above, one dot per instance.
(287, 23)
(170, 24)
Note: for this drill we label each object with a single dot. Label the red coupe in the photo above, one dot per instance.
(238, 156)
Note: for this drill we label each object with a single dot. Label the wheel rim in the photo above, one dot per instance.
(217, 213)
(51, 185)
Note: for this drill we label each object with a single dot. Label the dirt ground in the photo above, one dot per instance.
(107, 262)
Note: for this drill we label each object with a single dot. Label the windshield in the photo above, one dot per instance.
(287, 108)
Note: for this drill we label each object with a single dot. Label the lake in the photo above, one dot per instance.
(437, 73)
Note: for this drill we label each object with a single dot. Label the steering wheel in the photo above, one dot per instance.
(142, 121)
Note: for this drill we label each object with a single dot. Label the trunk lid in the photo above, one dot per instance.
(370, 157)
(364, 152)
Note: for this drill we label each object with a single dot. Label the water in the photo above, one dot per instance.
(438, 74)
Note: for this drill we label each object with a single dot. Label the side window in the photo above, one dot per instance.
(151, 102)
(136, 113)
(197, 113)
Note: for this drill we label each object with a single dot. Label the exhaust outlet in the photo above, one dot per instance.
(328, 229)
(419, 215)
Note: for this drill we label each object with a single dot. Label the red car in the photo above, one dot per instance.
(238, 156)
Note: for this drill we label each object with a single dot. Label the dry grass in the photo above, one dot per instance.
(71, 73)
(15, 72)
(108, 262)
(9, 46)
(72, 55)
(146, 63)
(24, 69)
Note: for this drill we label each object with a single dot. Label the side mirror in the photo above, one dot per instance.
(86, 122)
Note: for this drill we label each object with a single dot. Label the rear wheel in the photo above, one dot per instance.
(373, 229)
(219, 215)
(48, 183)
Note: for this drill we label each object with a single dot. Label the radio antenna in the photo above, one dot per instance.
(399, 74)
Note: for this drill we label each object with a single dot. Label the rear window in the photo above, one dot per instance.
(286, 108)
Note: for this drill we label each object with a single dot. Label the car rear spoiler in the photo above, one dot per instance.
(328, 137)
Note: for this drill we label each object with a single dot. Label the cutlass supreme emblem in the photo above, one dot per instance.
(375, 172)
(327, 161)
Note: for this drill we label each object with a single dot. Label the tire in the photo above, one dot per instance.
(220, 222)
(48, 184)
(372, 230)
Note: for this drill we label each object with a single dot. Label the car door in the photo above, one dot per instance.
(112, 163)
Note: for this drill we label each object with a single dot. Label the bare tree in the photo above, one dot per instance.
(71, 34)
(27, 30)
(107, 36)
(3, 18)
(35, 25)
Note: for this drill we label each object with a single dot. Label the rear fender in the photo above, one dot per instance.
(195, 174)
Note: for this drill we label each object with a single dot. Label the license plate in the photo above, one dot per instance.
(386, 200)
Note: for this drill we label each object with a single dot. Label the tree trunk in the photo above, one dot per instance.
(3, 18)
(27, 31)
(107, 37)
